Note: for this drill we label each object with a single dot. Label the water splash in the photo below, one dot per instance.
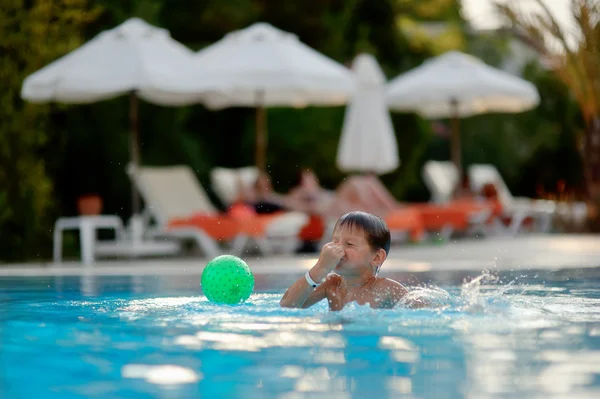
(471, 296)
(482, 294)
(428, 297)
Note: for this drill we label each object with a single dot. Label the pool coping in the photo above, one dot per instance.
(526, 252)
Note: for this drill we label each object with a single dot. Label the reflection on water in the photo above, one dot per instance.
(164, 374)
(512, 335)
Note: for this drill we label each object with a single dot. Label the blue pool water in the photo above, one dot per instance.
(526, 334)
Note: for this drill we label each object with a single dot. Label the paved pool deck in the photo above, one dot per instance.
(524, 252)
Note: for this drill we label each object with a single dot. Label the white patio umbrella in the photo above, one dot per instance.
(458, 85)
(262, 66)
(368, 142)
(133, 58)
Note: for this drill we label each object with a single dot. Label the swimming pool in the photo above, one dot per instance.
(515, 334)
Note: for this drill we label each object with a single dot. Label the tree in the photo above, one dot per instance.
(34, 33)
(575, 59)
(433, 26)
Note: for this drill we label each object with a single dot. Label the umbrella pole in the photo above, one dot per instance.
(261, 132)
(455, 140)
(134, 149)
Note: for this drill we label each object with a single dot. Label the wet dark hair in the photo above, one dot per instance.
(376, 230)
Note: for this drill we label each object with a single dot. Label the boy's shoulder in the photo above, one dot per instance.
(393, 286)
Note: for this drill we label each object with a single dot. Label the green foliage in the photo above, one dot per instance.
(433, 26)
(33, 34)
(525, 146)
(574, 57)
(551, 132)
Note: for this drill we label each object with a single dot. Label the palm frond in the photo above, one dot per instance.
(576, 64)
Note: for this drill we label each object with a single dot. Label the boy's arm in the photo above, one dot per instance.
(303, 295)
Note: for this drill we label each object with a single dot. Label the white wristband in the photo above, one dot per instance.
(310, 281)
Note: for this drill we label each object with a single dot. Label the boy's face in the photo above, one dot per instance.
(359, 257)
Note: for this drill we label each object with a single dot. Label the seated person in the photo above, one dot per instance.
(368, 193)
(260, 196)
(308, 188)
(348, 267)
(489, 192)
(309, 196)
(463, 190)
(358, 192)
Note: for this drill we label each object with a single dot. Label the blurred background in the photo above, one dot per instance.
(53, 154)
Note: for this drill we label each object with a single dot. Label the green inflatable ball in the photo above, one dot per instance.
(227, 279)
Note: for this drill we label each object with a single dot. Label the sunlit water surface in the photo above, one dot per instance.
(533, 334)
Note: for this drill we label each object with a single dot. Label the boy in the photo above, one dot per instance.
(360, 245)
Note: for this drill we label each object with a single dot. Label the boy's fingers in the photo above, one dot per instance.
(333, 246)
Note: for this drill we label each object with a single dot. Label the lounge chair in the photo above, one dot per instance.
(444, 214)
(404, 224)
(225, 181)
(442, 179)
(181, 208)
(517, 209)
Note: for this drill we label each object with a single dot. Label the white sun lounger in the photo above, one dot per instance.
(226, 181)
(174, 192)
(442, 179)
(518, 208)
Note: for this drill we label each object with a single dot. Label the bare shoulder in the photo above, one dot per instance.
(392, 285)
(393, 290)
(396, 293)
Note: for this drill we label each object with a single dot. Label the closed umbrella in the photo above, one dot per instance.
(368, 142)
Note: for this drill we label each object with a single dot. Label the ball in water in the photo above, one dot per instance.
(227, 279)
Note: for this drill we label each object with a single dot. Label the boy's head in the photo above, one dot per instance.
(374, 230)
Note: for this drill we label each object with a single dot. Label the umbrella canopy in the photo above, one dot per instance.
(476, 87)
(368, 142)
(262, 66)
(134, 57)
(459, 85)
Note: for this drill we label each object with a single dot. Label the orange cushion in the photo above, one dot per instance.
(256, 226)
(455, 213)
(313, 230)
(406, 219)
(241, 211)
(219, 227)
